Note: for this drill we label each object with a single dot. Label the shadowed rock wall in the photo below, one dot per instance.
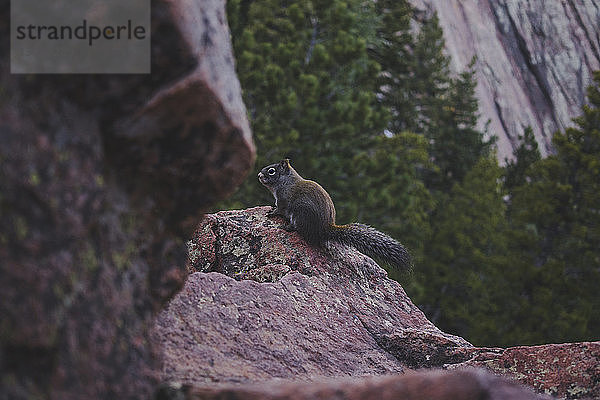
(101, 179)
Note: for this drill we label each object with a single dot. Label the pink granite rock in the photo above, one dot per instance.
(276, 307)
(569, 370)
(260, 304)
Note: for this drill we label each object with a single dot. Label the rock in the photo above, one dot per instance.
(293, 312)
(99, 177)
(191, 135)
(261, 304)
(570, 370)
(534, 60)
(432, 385)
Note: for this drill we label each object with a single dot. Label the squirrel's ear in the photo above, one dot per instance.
(285, 163)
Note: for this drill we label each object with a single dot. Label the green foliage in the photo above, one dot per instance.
(422, 96)
(430, 77)
(557, 216)
(456, 143)
(370, 110)
(309, 87)
(466, 250)
(393, 51)
(525, 155)
(527, 274)
(399, 202)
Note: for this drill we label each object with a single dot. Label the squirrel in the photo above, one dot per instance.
(309, 210)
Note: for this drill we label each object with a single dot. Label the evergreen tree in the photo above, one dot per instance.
(464, 255)
(524, 156)
(430, 77)
(399, 204)
(309, 88)
(456, 143)
(557, 215)
(456, 282)
(393, 51)
(417, 87)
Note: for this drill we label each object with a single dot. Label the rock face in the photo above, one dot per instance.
(296, 313)
(534, 60)
(98, 175)
(260, 304)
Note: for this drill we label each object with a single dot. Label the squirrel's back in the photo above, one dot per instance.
(311, 211)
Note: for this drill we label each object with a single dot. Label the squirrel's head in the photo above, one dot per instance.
(271, 174)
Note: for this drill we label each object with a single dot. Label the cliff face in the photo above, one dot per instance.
(535, 60)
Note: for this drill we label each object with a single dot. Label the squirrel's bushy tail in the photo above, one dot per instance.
(373, 243)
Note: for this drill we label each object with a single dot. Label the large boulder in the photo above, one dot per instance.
(293, 312)
(101, 179)
(260, 304)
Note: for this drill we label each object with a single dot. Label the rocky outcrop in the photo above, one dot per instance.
(294, 312)
(261, 304)
(100, 177)
(534, 60)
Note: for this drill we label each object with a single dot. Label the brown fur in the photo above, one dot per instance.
(309, 210)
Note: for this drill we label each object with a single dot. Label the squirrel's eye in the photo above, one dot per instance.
(271, 171)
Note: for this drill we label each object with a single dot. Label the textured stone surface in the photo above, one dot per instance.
(430, 385)
(191, 135)
(535, 60)
(261, 304)
(570, 370)
(296, 312)
(98, 175)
